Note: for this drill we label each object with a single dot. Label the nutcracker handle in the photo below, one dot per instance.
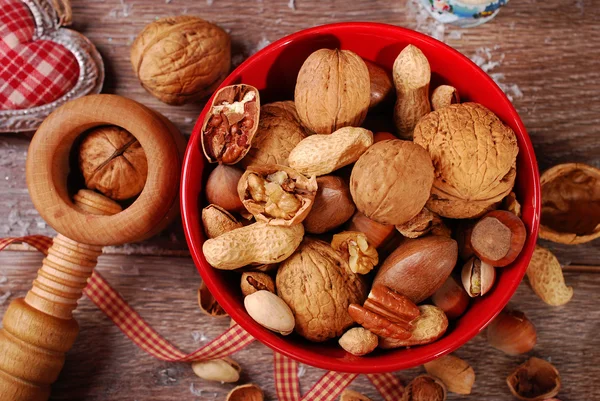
(39, 329)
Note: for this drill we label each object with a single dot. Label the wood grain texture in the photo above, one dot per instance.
(547, 49)
(543, 48)
(105, 365)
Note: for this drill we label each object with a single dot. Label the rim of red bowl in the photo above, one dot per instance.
(278, 343)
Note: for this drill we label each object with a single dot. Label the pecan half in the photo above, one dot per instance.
(230, 124)
(386, 313)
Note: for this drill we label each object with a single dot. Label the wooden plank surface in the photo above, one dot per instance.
(544, 55)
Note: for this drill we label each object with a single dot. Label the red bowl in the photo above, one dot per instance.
(273, 71)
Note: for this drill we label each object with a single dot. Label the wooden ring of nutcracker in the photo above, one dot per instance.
(48, 168)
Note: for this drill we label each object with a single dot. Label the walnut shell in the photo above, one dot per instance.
(273, 208)
(534, 380)
(391, 181)
(318, 285)
(230, 124)
(474, 155)
(570, 203)
(333, 90)
(113, 162)
(181, 59)
(279, 131)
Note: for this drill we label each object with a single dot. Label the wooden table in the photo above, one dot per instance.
(545, 55)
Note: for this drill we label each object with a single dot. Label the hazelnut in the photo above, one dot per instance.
(318, 285)
(391, 181)
(332, 91)
(497, 238)
(474, 155)
(419, 267)
(382, 87)
(113, 162)
(332, 207)
(181, 59)
(221, 188)
(358, 341)
(377, 234)
(512, 333)
(279, 131)
(452, 298)
(382, 136)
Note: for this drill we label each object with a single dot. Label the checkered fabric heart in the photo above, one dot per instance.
(287, 386)
(33, 72)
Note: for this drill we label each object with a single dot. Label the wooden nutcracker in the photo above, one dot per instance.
(39, 329)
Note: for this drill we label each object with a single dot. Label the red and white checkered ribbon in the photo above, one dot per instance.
(32, 72)
(328, 388)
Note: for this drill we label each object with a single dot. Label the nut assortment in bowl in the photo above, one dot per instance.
(376, 241)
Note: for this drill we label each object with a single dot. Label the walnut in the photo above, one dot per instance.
(354, 247)
(391, 181)
(181, 59)
(570, 203)
(113, 162)
(474, 155)
(333, 90)
(277, 194)
(279, 131)
(318, 285)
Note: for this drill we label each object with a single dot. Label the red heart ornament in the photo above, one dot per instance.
(41, 64)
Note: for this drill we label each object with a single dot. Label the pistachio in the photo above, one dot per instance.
(478, 277)
(270, 311)
(224, 370)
